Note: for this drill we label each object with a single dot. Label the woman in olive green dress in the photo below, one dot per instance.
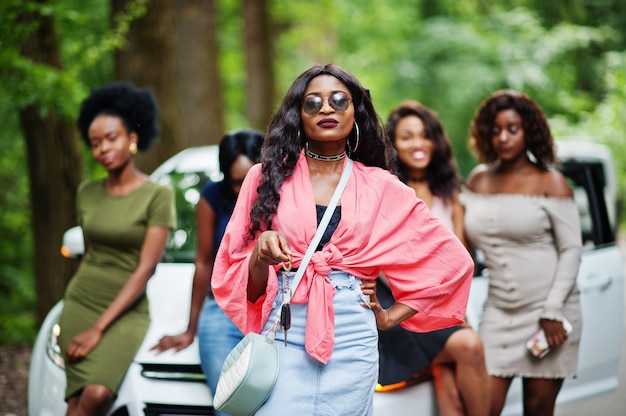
(126, 220)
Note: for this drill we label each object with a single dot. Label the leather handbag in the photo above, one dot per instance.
(250, 370)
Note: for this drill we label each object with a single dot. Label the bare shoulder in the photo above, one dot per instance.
(455, 200)
(478, 178)
(555, 184)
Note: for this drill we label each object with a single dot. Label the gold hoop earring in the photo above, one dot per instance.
(132, 148)
(358, 136)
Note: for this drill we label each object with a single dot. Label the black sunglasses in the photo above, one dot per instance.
(339, 101)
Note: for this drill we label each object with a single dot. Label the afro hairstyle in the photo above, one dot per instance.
(136, 107)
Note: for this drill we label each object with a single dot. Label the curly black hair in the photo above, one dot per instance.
(136, 107)
(283, 142)
(441, 173)
(537, 135)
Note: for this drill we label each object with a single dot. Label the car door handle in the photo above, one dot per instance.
(598, 285)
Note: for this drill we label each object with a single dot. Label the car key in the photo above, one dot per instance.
(285, 319)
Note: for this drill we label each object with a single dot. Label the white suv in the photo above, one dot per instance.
(172, 383)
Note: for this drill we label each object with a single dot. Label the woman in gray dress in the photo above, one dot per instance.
(520, 212)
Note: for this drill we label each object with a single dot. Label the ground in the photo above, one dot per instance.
(14, 362)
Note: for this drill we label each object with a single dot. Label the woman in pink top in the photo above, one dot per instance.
(329, 361)
(426, 164)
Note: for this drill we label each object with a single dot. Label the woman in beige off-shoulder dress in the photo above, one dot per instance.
(520, 212)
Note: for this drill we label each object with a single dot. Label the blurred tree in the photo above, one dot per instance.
(17, 294)
(199, 81)
(41, 95)
(259, 63)
(54, 169)
(210, 64)
(173, 50)
(605, 123)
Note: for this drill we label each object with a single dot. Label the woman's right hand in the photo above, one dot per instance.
(176, 342)
(555, 332)
(271, 248)
(82, 344)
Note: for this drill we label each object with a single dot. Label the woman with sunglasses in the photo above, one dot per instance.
(329, 360)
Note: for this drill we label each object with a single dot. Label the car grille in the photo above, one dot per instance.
(153, 409)
(174, 372)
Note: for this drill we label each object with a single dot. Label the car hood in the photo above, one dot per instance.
(169, 293)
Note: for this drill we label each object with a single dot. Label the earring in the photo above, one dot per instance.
(132, 148)
(358, 136)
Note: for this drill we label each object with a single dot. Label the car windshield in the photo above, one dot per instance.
(587, 180)
(181, 247)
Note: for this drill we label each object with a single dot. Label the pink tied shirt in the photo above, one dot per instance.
(383, 228)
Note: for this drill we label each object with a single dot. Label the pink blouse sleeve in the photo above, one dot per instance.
(436, 280)
(427, 266)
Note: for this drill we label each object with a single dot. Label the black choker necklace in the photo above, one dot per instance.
(418, 180)
(322, 158)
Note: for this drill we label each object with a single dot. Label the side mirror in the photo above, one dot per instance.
(73, 243)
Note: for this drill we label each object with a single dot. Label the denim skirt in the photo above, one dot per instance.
(344, 386)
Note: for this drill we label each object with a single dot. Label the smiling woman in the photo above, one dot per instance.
(455, 355)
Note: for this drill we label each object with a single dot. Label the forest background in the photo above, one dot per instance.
(217, 65)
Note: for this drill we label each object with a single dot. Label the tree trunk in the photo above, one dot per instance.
(258, 46)
(173, 50)
(199, 82)
(148, 60)
(54, 169)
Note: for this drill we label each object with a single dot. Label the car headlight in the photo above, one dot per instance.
(424, 375)
(52, 346)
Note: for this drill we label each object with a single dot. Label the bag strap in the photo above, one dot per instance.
(321, 228)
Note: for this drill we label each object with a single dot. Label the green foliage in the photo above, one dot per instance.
(17, 297)
(86, 44)
(605, 123)
(451, 54)
(466, 60)
(16, 286)
(448, 54)
(232, 62)
(17, 304)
